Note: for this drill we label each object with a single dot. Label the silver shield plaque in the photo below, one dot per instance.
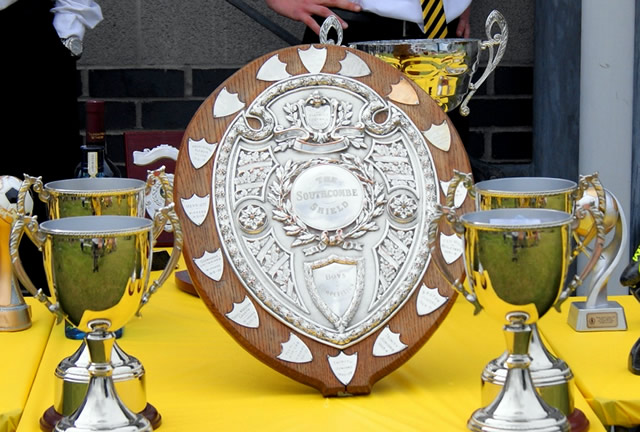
(324, 209)
(311, 175)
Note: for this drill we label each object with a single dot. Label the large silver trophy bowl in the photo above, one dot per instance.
(551, 375)
(516, 262)
(98, 197)
(444, 68)
(98, 272)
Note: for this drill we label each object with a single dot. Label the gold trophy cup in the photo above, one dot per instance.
(97, 293)
(98, 197)
(516, 263)
(551, 376)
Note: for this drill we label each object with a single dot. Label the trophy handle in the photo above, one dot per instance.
(38, 187)
(29, 225)
(499, 39)
(434, 227)
(598, 218)
(331, 22)
(159, 221)
(588, 182)
(611, 254)
(160, 175)
(459, 177)
(598, 231)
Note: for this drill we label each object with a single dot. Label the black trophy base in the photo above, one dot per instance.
(634, 358)
(184, 282)
(51, 417)
(578, 422)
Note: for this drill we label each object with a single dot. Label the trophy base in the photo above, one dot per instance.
(578, 421)
(183, 281)
(550, 375)
(634, 358)
(503, 415)
(518, 406)
(51, 417)
(609, 317)
(15, 318)
(482, 421)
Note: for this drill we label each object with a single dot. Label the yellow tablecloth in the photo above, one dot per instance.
(599, 362)
(199, 378)
(19, 361)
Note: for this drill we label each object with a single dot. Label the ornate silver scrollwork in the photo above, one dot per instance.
(323, 212)
(331, 22)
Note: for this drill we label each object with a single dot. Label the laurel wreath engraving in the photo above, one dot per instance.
(279, 197)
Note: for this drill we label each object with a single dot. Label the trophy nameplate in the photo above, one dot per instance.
(608, 316)
(305, 186)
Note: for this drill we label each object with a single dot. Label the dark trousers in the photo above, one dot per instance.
(39, 96)
(38, 102)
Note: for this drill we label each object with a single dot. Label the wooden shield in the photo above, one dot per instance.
(305, 185)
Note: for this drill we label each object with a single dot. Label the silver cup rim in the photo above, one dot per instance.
(96, 184)
(515, 219)
(415, 42)
(526, 186)
(94, 226)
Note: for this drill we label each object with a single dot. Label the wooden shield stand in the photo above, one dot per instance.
(273, 327)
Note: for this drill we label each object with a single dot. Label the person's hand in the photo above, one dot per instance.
(464, 26)
(302, 10)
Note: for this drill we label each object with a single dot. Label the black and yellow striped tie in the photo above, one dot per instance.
(435, 23)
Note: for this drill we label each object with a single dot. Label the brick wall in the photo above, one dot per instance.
(155, 66)
(499, 140)
(500, 124)
(147, 99)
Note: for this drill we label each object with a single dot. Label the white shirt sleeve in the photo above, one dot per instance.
(6, 3)
(454, 8)
(73, 17)
(410, 10)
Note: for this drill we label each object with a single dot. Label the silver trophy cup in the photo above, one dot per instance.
(444, 68)
(96, 197)
(516, 262)
(503, 248)
(98, 271)
(551, 375)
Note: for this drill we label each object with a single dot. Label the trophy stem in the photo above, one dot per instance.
(15, 314)
(518, 407)
(101, 408)
(551, 375)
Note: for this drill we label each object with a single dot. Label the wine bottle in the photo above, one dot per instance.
(94, 163)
